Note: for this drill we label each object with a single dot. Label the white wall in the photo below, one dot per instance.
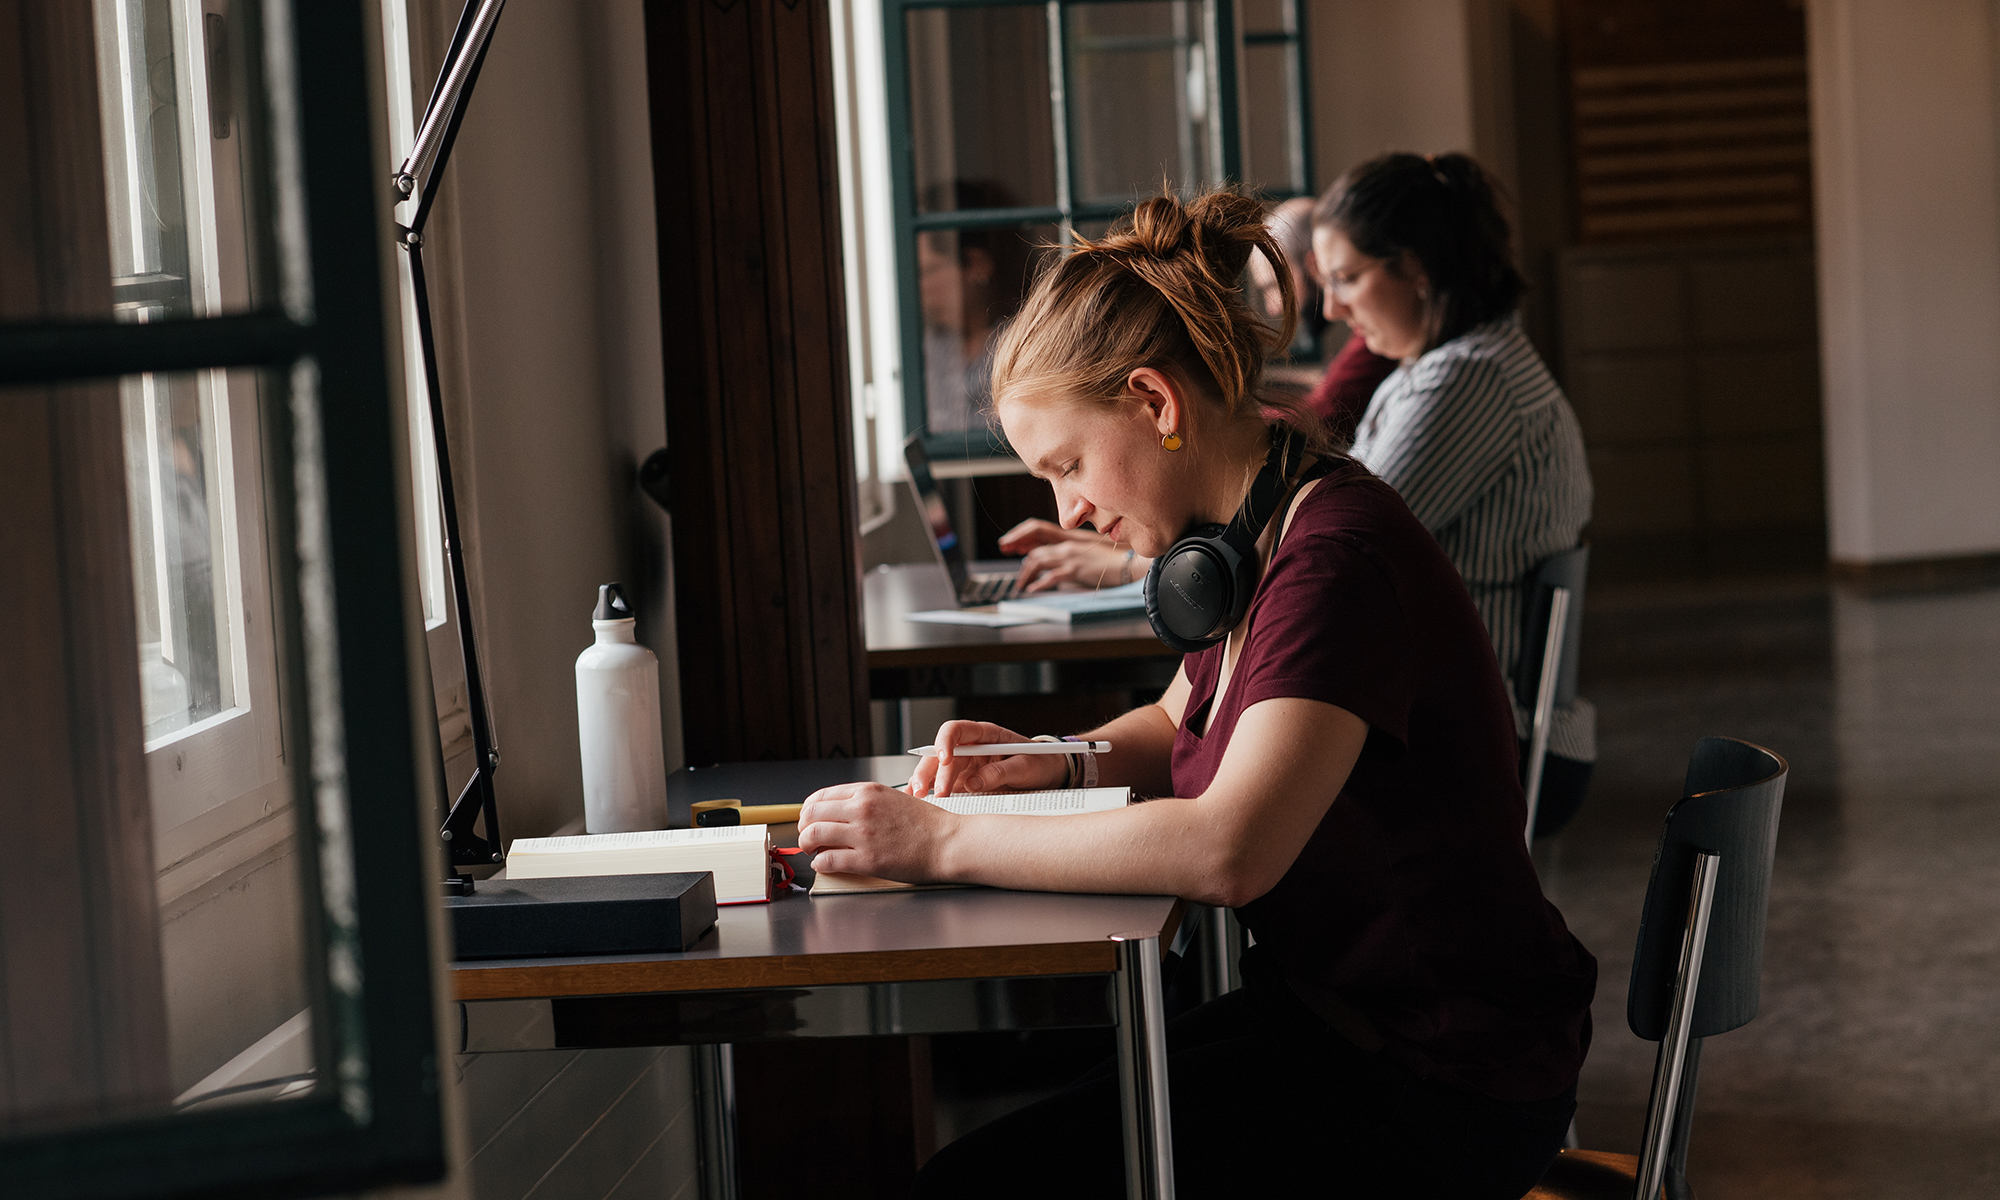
(551, 198)
(1907, 192)
(1398, 75)
(546, 237)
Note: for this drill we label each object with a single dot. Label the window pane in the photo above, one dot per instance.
(979, 108)
(146, 971)
(175, 458)
(1264, 16)
(172, 83)
(971, 282)
(1138, 98)
(1273, 156)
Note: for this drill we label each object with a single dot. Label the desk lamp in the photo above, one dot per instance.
(419, 176)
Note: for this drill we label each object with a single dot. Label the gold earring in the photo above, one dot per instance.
(1171, 442)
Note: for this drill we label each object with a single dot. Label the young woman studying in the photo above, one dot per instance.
(1335, 760)
(1471, 430)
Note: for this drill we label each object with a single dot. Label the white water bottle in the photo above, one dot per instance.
(618, 724)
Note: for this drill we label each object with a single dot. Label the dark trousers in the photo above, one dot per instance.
(1267, 1101)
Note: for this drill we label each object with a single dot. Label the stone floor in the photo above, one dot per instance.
(1873, 1068)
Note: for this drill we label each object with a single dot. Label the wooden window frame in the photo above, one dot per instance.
(340, 551)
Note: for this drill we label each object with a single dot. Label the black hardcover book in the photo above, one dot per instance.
(583, 914)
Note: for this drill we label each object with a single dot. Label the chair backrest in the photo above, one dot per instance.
(1564, 570)
(1729, 807)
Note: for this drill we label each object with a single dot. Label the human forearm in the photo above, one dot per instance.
(1287, 760)
(1169, 846)
(1142, 742)
(1142, 745)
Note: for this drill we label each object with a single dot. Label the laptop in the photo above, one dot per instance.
(970, 588)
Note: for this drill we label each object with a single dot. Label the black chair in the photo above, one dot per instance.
(1551, 646)
(1699, 960)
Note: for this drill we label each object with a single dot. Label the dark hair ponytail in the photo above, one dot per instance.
(1443, 210)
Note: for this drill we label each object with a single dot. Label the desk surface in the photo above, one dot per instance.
(880, 938)
(890, 593)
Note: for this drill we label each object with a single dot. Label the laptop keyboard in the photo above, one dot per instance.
(990, 589)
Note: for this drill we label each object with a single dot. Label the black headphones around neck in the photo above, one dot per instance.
(1201, 588)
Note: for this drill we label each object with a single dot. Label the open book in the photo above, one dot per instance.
(1025, 804)
(739, 857)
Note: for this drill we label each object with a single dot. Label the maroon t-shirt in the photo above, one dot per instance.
(1414, 904)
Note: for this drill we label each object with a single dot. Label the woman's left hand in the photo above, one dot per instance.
(873, 829)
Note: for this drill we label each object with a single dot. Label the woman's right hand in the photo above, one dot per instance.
(944, 773)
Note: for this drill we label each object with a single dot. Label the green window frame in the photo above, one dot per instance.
(1223, 155)
(333, 472)
(1291, 35)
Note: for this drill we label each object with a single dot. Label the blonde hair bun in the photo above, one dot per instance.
(1162, 289)
(1215, 232)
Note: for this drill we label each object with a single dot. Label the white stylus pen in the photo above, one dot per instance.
(996, 748)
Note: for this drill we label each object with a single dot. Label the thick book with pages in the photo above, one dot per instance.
(1025, 804)
(739, 857)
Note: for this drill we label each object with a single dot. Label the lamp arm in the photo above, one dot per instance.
(425, 165)
(456, 76)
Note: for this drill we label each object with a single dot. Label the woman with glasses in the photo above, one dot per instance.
(1471, 430)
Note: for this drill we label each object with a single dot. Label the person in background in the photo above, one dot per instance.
(1343, 390)
(1339, 768)
(1471, 429)
(968, 282)
(1054, 556)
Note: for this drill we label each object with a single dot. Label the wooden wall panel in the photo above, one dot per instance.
(766, 549)
(1688, 118)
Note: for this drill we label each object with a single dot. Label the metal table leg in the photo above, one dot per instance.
(1142, 1069)
(715, 1102)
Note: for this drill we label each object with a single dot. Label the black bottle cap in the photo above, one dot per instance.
(611, 605)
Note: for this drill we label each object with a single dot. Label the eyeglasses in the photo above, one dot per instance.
(1342, 284)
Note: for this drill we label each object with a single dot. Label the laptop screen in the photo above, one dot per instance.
(937, 518)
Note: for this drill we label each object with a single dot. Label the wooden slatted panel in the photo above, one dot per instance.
(1688, 118)
(1691, 149)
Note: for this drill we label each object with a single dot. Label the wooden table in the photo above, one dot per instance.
(841, 966)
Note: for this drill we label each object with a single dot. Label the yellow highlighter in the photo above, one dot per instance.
(711, 814)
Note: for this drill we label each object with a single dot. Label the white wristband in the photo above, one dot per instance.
(1087, 767)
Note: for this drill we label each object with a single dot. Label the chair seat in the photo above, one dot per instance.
(1588, 1175)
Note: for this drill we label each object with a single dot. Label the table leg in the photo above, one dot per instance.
(1142, 1069)
(715, 1104)
(1217, 945)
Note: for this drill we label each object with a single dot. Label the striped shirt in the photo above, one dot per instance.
(1487, 453)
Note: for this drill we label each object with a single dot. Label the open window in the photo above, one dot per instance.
(178, 216)
(208, 550)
